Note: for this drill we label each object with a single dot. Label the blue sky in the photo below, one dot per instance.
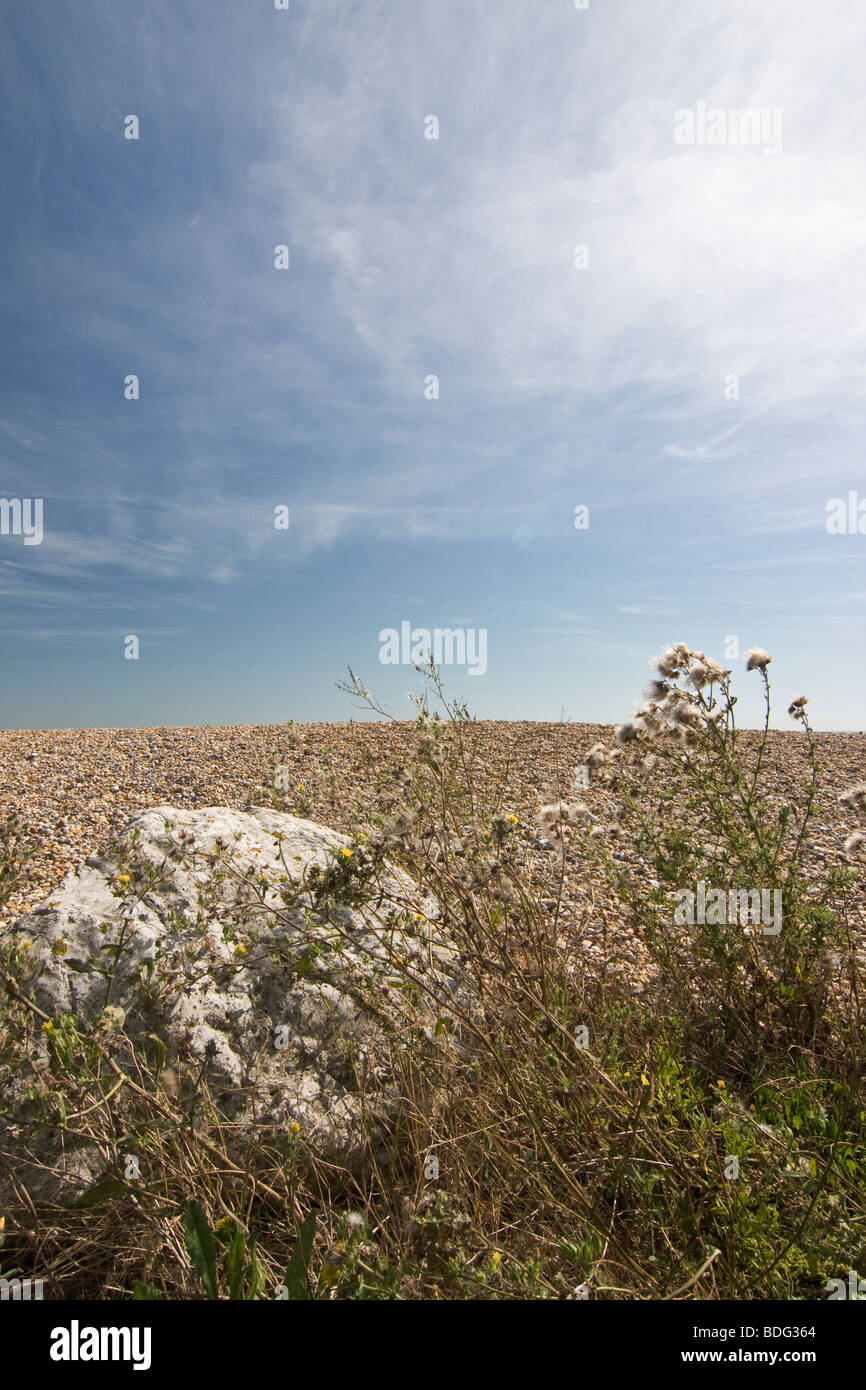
(606, 386)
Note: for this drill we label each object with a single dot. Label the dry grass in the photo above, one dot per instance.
(700, 1137)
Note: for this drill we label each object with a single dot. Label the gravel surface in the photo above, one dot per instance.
(75, 787)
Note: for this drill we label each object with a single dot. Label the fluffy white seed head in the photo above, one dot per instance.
(549, 815)
(757, 659)
(597, 756)
(699, 674)
(855, 797)
(668, 664)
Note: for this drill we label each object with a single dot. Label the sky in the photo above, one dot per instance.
(529, 271)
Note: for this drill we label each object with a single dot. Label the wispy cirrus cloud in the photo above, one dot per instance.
(609, 386)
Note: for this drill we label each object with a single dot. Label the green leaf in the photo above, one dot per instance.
(160, 1050)
(146, 1292)
(296, 1271)
(256, 1278)
(235, 1265)
(200, 1246)
(111, 1187)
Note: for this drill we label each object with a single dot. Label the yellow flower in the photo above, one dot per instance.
(328, 1275)
(123, 878)
(512, 819)
(346, 853)
(223, 1221)
(27, 945)
(721, 1085)
(296, 1128)
(496, 1259)
(644, 1078)
(241, 950)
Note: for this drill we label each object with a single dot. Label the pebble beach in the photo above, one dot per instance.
(75, 788)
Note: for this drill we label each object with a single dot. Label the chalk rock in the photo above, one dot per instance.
(253, 948)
